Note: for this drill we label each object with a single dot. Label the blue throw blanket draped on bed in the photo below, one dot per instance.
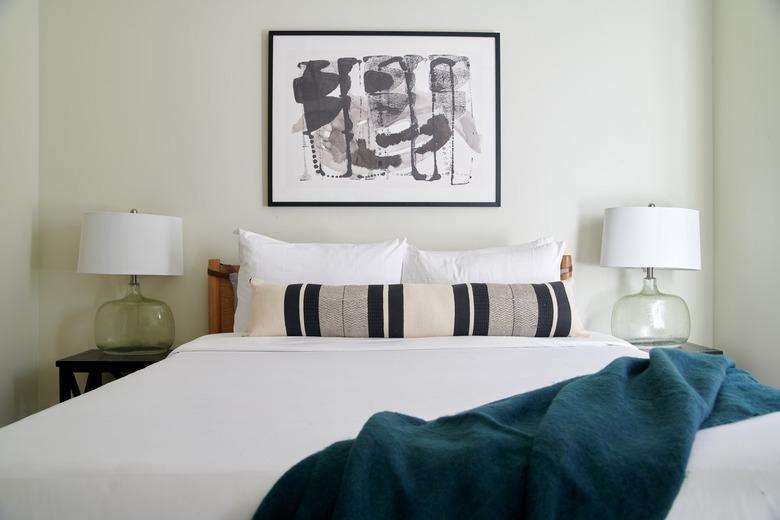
(614, 444)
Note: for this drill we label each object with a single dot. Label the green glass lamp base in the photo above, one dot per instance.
(651, 318)
(134, 325)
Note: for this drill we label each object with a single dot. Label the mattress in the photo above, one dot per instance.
(206, 432)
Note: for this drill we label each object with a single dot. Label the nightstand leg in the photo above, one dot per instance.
(64, 388)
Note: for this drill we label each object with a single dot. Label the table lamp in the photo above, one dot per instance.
(651, 238)
(132, 244)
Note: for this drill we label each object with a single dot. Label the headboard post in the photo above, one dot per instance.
(222, 300)
(567, 268)
(214, 314)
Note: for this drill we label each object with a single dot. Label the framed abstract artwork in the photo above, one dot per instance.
(383, 119)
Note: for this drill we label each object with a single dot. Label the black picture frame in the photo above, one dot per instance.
(496, 202)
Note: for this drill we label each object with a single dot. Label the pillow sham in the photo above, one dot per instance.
(414, 310)
(534, 262)
(276, 261)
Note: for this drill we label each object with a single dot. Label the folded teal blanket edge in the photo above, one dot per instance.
(614, 444)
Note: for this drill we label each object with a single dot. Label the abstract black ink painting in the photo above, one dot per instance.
(383, 119)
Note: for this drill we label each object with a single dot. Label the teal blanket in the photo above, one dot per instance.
(614, 444)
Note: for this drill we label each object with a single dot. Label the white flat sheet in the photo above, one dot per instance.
(205, 433)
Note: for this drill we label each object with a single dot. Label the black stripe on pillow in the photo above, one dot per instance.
(481, 309)
(545, 306)
(460, 293)
(292, 315)
(395, 310)
(564, 310)
(376, 318)
(311, 309)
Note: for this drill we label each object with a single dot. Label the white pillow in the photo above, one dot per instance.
(535, 262)
(274, 261)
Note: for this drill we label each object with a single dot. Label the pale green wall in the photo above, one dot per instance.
(159, 105)
(18, 208)
(747, 182)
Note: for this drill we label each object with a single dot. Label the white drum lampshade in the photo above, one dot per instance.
(662, 238)
(132, 244)
(651, 238)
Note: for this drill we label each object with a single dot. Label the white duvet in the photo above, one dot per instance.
(205, 433)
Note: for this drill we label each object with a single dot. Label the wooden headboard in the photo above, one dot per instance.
(222, 299)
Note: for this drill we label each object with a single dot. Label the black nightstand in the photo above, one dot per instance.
(693, 347)
(95, 363)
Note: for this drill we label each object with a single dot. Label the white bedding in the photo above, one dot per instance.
(205, 433)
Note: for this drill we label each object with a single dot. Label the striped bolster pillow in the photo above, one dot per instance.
(414, 310)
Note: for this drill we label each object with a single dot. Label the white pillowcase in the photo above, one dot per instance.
(274, 261)
(535, 262)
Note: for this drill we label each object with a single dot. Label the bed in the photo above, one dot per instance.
(206, 432)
